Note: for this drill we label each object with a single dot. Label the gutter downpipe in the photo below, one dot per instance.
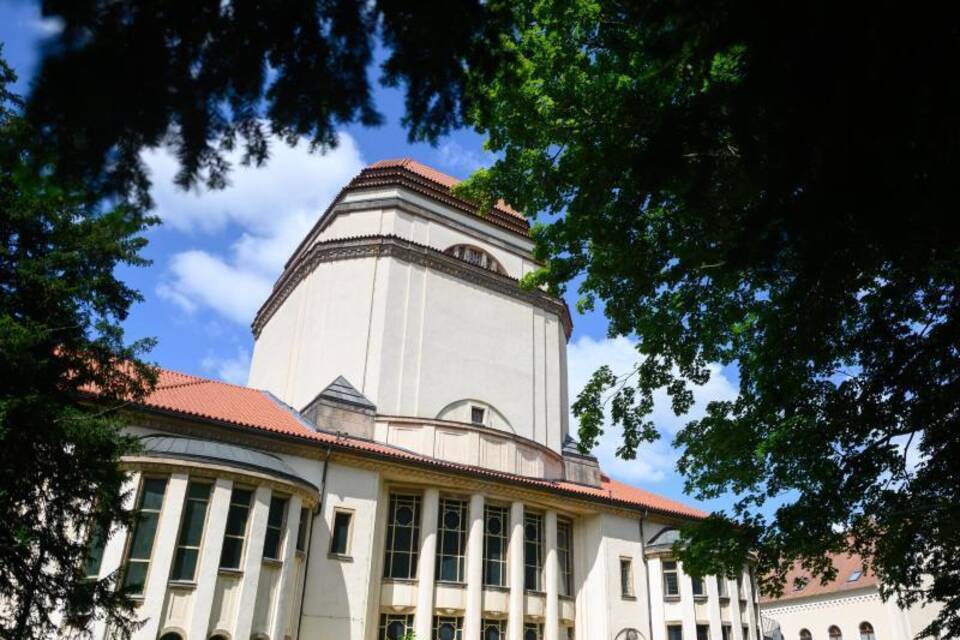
(646, 577)
(306, 558)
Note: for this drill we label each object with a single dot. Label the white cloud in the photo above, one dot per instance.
(47, 26)
(269, 210)
(654, 461)
(233, 369)
(459, 159)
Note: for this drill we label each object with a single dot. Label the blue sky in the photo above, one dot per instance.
(216, 255)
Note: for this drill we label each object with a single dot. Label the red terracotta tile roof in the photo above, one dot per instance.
(195, 397)
(433, 175)
(846, 566)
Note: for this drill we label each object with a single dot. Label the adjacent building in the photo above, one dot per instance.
(401, 461)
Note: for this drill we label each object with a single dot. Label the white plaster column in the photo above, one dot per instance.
(515, 557)
(657, 615)
(427, 563)
(210, 558)
(752, 621)
(687, 608)
(551, 575)
(713, 606)
(281, 608)
(164, 544)
(116, 541)
(252, 561)
(473, 614)
(736, 620)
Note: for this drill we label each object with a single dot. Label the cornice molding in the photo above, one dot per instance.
(389, 246)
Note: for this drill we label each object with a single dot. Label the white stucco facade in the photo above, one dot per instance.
(408, 466)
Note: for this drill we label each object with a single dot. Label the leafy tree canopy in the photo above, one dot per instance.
(60, 313)
(766, 186)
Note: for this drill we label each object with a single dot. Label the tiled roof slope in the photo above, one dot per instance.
(195, 397)
(433, 175)
(846, 566)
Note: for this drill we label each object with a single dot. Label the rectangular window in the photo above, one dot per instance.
(671, 579)
(740, 593)
(496, 524)
(746, 632)
(703, 632)
(395, 626)
(191, 532)
(532, 552)
(626, 578)
(699, 590)
(303, 529)
(451, 540)
(532, 631)
(232, 553)
(447, 628)
(477, 414)
(565, 556)
(674, 632)
(403, 537)
(571, 634)
(340, 540)
(722, 589)
(94, 557)
(726, 632)
(492, 629)
(144, 532)
(273, 540)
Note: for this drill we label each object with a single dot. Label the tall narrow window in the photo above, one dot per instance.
(496, 523)
(493, 629)
(671, 579)
(447, 628)
(834, 633)
(703, 632)
(403, 537)
(144, 532)
(805, 634)
(532, 631)
(565, 557)
(722, 589)
(726, 632)
(395, 626)
(94, 557)
(232, 553)
(674, 632)
(746, 632)
(303, 529)
(451, 539)
(191, 532)
(626, 578)
(273, 540)
(340, 540)
(866, 631)
(532, 552)
(699, 590)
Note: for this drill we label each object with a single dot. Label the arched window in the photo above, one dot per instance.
(219, 636)
(476, 256)
(171, 635)
(866, 631)
(834, 633)
(805, 635)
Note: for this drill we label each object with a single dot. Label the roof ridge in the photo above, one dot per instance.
(199, 380)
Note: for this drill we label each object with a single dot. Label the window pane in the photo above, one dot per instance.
(271, 544)
(194, 515)
(135, 576)
(672, 584)
(277, 506)
(302, 528)
(184, 564)
(231, 553)
(198, 491)
(143, 534)
(91, 566)
(237, 520)
(153, 489)
(341, 529)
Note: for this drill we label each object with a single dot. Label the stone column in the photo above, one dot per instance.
(686, 604)
(515, 557)
(427, 563)
(735, 620)
(551, 575)
(713, 606)
(281, 603)
(474, 610)
(657, 614)
(164, 544)
(116, 541)
(252, 561)
(209, 561)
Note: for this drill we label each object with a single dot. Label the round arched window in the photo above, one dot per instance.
(475, 256)
(171, 635)
(805, 634)
(866, 631)
(219, 636)
(834, 633)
